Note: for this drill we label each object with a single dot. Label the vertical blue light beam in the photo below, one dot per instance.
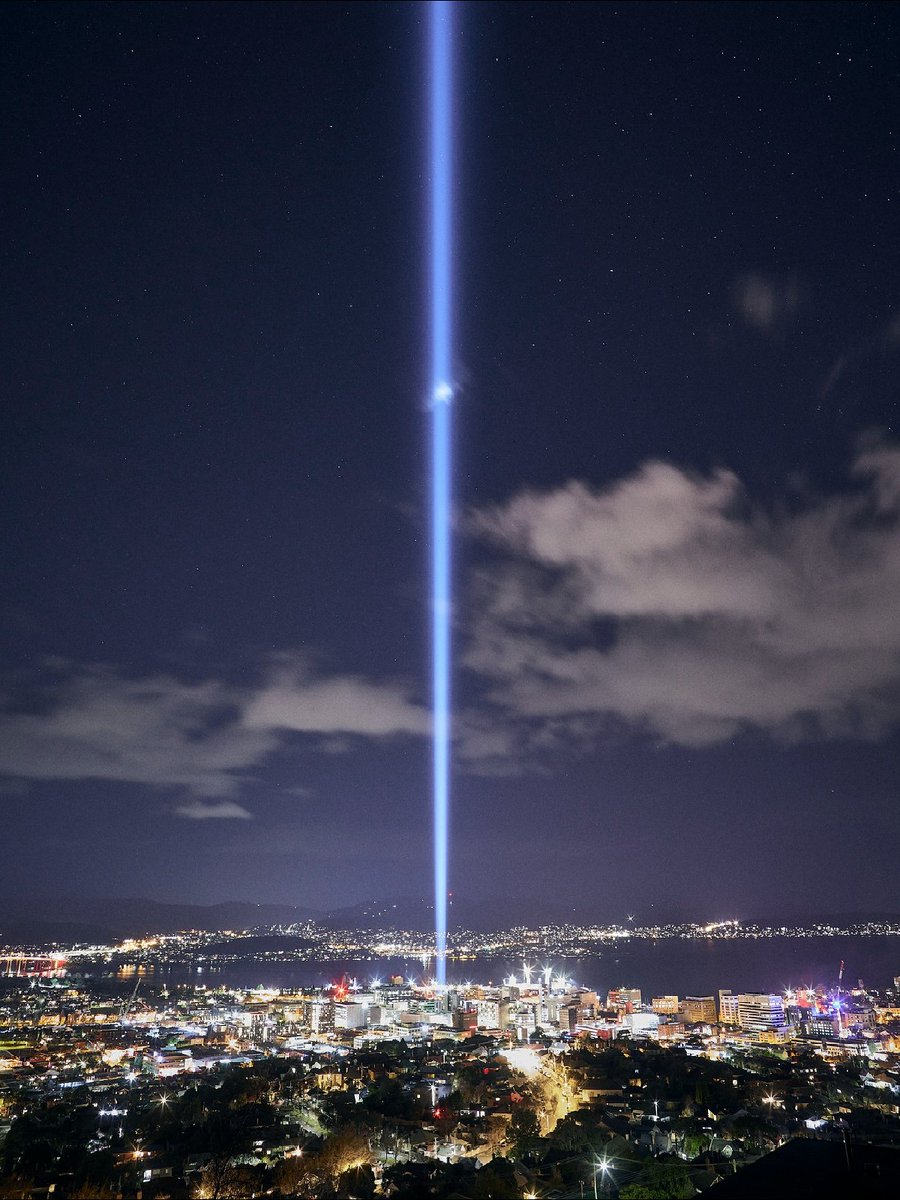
(441, 213)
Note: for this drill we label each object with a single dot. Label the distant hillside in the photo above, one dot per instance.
(841, 920)
(47, 933)
(263, 943)
(115, 918)
(36, 919)
(69, 920)
(416, 913)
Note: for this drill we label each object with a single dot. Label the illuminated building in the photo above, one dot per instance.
(624, 999)
(492, 1014)
(665, 1005)
(465, 1020)
(758, 1011)
(588, 1002)
(728, 1008)
(821, 1025)
(524, 1020)
(349, 1014)
(671, 1031)
(699, 1010)
(321, 1016)
(641, 1024)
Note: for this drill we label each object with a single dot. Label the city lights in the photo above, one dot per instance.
(533, 1042)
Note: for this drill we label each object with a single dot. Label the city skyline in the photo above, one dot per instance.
(534, 1081)
(678, 470)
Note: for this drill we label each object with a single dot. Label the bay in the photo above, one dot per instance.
(670, 966)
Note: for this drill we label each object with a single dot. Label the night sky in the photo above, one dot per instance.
(677, 562)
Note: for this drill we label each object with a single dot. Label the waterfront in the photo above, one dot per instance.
(142, 1080)
(172, 1065)
(669, 965)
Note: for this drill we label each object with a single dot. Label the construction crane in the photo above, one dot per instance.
(126, 1007)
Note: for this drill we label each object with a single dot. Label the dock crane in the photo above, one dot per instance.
(126, 1007)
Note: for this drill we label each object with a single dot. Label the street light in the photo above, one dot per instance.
(602, 1165)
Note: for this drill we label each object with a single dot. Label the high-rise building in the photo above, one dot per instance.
(624, 999)
(758, 1011)
(699, 1010)
(588, 1002)
(524, 1019)
(492, 1014)
(465, 1020)
(728, 1007)
(665, 1005)
(321, 1015)
(821, 1025)
(348, 1014)
(642, 1024)
(569, 1016)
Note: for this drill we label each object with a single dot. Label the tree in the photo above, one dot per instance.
(391, 1099)
(13, 1187)
(321, 1174)
(755, 1132)
(660, 1181)
(357, 1184)
(493, 1131)
(496, 1181)
(92, 1191)
(219, 1180)
(524, 1130)
(296, 1176)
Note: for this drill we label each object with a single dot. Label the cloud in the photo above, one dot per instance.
(766, 303)
(95, 722)
(671, 603)
(344, 704)
(199, 810)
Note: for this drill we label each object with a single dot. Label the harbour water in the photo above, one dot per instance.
(679, 966)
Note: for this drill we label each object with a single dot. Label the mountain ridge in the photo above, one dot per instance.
(45, 919)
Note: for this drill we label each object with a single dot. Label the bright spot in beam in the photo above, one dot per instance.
(443, 393)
